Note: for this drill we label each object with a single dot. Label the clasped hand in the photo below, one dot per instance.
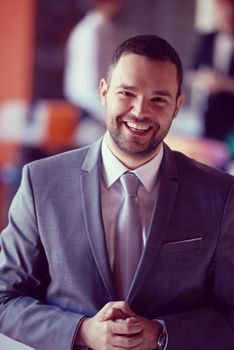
(116, 326)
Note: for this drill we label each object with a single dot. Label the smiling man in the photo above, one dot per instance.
(124, 244)
(141, 98)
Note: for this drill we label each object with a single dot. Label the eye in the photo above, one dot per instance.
(159, 100)
(126, 93)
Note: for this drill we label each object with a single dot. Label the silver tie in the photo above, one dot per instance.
(128, 242)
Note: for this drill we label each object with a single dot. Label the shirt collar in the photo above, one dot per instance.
(112, 168)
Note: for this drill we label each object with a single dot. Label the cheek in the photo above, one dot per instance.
(160, 112)
(118, 106)
(164, 115)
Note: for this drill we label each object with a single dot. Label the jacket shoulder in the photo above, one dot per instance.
(62, 161)
(192, 170)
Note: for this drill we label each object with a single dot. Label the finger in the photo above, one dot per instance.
(125, 328)
(113, 314)
(127, 342)
(106, 309)
(128, 320)
(119, 305)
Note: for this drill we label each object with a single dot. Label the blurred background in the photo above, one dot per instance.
(54, 52)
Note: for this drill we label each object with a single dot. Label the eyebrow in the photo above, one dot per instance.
(128, 87)
(162, 93)
(155, 92)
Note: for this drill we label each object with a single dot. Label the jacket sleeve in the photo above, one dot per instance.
(24, 277)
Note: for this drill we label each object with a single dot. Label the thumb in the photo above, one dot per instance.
(120, 310)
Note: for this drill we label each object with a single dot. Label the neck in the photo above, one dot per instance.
(131, 162)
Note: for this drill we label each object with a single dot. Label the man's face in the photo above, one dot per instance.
(140, 104)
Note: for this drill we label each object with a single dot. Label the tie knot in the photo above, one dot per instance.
(130, 183)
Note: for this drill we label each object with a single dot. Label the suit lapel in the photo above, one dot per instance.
(91, 202)
(168, 185)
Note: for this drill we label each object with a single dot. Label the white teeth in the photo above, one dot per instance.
(137, 126)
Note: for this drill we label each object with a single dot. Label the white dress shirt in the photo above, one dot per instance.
(111, 193)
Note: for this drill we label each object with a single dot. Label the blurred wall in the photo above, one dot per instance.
(54, 21)
(33, 35)
(16, 47)
(173, 19)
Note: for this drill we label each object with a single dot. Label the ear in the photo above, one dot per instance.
(179, 104)
(103, 90)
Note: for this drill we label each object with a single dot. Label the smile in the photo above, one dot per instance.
(137, 127)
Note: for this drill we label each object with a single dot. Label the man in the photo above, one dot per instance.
(62, 284)
(213, 77)
(88, 52)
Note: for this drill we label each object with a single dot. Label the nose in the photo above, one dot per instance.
(140, 107)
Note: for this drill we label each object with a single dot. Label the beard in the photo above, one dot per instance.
(135, 148)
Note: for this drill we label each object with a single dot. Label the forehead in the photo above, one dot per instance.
(141, 71)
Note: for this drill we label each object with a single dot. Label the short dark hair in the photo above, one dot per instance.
(152, 47)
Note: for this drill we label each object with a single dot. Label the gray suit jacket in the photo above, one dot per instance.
(54, 266)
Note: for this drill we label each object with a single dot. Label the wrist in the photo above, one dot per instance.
(157, 326)
(80, 339)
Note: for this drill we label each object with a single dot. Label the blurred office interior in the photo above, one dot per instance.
(36, 120)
